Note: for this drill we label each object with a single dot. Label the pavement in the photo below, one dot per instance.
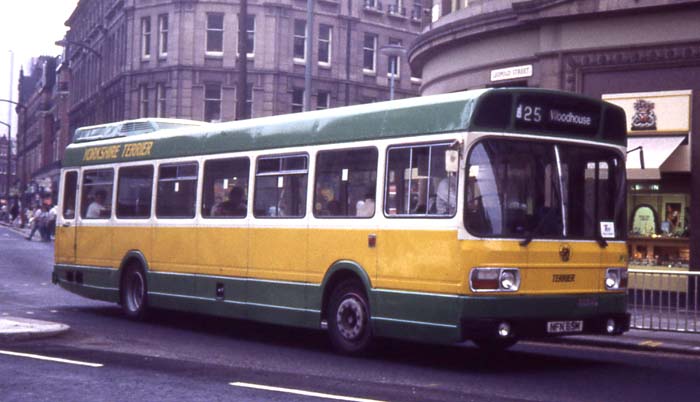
(17, 328)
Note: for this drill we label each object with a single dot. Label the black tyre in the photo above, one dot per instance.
(349, 318)
(134, 292)
(495, 344)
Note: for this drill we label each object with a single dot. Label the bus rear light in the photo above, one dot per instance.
(494, 279)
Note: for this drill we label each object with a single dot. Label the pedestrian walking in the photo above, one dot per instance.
(34, 221)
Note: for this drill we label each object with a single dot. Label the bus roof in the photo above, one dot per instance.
(483, 110)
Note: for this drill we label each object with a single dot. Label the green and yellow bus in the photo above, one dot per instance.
(489, 215)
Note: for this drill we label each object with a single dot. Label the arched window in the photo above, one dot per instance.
(645, 220)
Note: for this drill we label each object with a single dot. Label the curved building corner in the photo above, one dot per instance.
(643, 55)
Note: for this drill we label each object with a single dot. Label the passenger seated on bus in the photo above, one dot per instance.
(97, 209)
(234, 206)
(446, 201)
(365, 208)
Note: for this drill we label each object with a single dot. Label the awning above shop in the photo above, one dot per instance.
(656, 151)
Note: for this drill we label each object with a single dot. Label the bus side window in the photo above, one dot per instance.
(134, 190)
(417, 183)
(96, 201)
(280, 186)
(177, 191)
(225, 191)
(70, 186)
(345, 183)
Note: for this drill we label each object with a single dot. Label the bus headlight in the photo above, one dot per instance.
(616, 278)
(494, 279)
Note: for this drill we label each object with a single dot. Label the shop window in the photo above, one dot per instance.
(644, 221)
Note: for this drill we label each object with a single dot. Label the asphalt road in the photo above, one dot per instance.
(187, 357)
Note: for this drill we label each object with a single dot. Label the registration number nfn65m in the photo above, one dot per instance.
(559, 327)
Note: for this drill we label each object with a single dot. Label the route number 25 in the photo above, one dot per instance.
(531, 114)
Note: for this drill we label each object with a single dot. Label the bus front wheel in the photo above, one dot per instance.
(134, 294)
(348, 318)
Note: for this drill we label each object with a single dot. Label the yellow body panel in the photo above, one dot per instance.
(175, 250)
(409, 260)
(223, 251)
(125, 239)
(331, 245)
(426, 261)
(278, 254)
(94, 246)
(64, 250)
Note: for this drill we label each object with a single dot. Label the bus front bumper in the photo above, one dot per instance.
(544, 316)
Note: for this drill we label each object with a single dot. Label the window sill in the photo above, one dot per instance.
(372, 73)
(299, 62)
(324, 65)
(214, 55)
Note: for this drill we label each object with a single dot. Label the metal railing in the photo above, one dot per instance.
(664, 300)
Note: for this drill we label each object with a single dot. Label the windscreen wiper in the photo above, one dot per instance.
(528, 239)
(601, 241)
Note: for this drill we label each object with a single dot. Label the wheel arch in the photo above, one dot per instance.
(132, 256)
(338, 272)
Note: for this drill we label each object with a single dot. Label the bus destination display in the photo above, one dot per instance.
(551, 116)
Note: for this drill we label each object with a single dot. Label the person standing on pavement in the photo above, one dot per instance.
(34, 222)
(53, 211)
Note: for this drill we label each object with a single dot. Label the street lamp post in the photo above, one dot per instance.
(82, 45)
(393, 52)
(9, 143)
(9, 158)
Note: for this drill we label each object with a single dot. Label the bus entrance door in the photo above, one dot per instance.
(66, 222)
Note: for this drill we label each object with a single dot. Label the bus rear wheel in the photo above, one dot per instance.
(134, 294)
(348, 318)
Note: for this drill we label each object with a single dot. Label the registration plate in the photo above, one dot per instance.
(560, 327)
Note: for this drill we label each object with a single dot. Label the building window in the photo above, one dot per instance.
(161, 100)
(163, 35)
(299, 40)
(249, 100)
(215, 34)
(323, 100)
(143, 101)
(369, 63)
(212, 102)
(325, 36)
(297, 100)
(145, 37)
(250, 36)
(416, 77)
(394, 62)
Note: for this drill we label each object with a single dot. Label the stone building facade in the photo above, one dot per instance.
(42, 132)
(641, 54)
(177, 58)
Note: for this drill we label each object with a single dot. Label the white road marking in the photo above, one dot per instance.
(300, 392)
(51, 359)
